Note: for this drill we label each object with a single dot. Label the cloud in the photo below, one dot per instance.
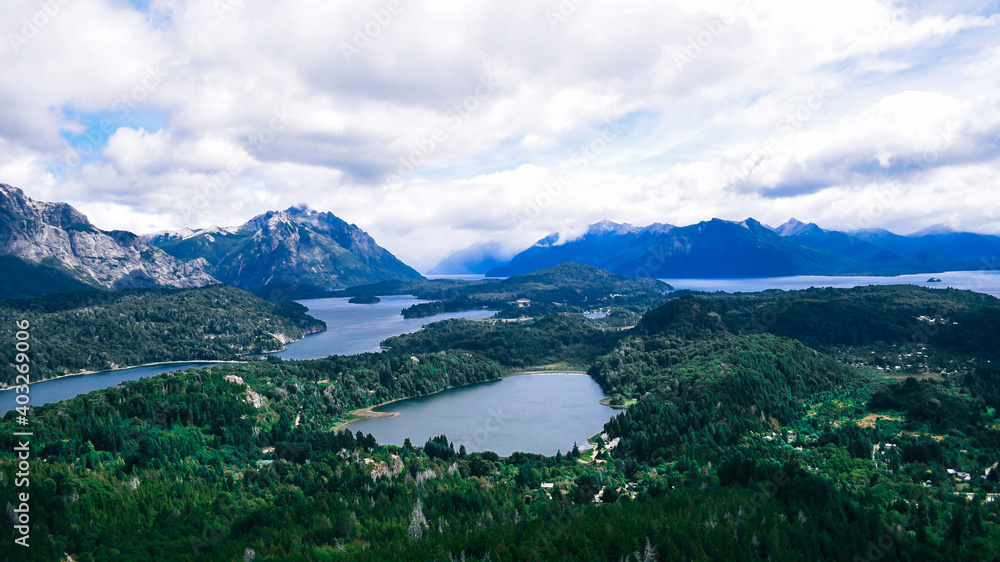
(437, 126)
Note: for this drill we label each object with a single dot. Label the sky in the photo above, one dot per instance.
(436, 125)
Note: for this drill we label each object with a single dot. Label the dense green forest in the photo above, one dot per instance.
(97, 330)
(567, 287)
(26, 279)
(762, 426)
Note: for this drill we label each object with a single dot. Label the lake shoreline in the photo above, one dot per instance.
(362, 414)
(607, 402)
(544, 372)
(154, 364)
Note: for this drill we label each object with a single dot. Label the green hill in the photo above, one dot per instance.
(92, 331)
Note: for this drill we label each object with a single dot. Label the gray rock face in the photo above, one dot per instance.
(58, 236)
(292, 248)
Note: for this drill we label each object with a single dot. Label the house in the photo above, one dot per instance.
(522, 303)
(547, 485)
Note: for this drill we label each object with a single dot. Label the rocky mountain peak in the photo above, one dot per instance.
(793, 227)
(609, 227)
(60, 238)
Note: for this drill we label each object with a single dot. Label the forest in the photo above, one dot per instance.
(827, 424)
(567, 287)
(99, 330)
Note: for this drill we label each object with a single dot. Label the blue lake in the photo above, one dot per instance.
(536, 413)
(57, 390)
(357, 328)
(351, 328)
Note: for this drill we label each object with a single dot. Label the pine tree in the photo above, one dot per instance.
(958, 524)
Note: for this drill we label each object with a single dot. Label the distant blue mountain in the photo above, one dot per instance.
(477, 258)
(601, 242)
(947, 247)
(728, 249)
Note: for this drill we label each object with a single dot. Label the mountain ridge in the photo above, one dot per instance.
(48, 247)
(719, 248)
(57, 245)
(293, 252)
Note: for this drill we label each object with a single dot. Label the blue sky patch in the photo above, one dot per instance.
(86, 146)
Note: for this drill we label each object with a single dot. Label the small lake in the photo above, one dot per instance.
(984, 281)
(536, 413)
(359, 328)
(57, 390)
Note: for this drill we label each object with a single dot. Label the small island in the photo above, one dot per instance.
(364, 299)
(933, 280)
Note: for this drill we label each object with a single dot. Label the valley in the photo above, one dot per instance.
(770, 407)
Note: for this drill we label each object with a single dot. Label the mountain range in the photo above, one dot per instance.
(301, 253)
(729, 249)
(53, 247)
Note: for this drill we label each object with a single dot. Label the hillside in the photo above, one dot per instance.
(92, 331)
(24, 279)
(52, 247)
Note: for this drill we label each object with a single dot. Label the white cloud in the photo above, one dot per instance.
(268, 105)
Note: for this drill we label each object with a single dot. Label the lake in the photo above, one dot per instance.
(57, 390)
(357, 328)
(535, 413)
(983, 281)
